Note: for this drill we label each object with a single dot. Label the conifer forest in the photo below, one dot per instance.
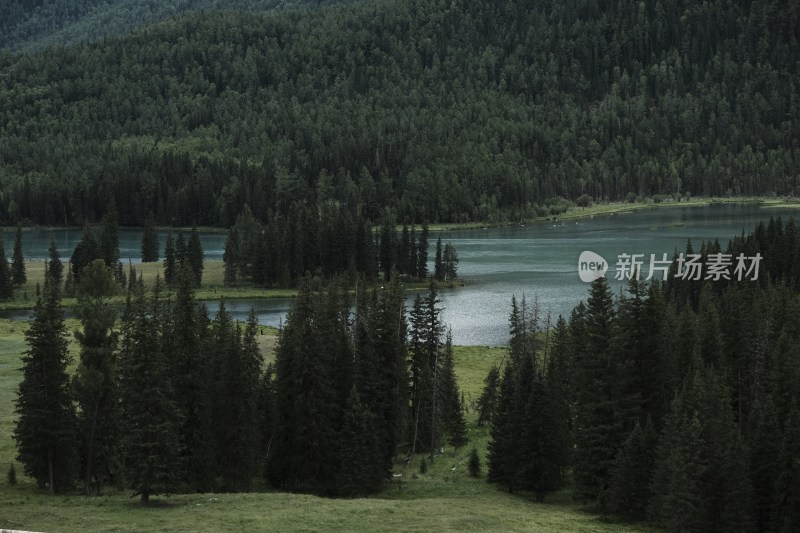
(353, 172)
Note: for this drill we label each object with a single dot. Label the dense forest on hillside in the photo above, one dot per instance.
(440, 111)
(28, 25)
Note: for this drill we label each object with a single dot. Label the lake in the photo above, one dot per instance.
(538, 260)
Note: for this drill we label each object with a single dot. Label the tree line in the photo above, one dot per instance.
(434, 110)
(675, 402)
(326, 244)
(165, 398)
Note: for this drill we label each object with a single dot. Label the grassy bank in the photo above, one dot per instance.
(211, 289)
(446, 498)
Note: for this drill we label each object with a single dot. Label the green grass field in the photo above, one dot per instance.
(446, 498)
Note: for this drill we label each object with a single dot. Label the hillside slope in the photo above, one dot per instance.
(439, 110)
(28, 25)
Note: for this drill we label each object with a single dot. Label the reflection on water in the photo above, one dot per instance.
(538, 260)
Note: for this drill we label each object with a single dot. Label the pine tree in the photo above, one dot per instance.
(150, 247)
(487, 402)
(190, 349)
(85, 252)
(788, 490)
(764, 446)
(629, 489)
(474, 463)
(151, 418)
(109, 237)
(266, 407)
(677, 501)
(18, 261)
(450, 262)
(606, 410)
(45, 431)
(438, 263)
(96, 378)
(238, 453)
(503, 446)
(231, 257)
(194, 255)
(6, 280)
(170, 261)
(361, 462)
(303, 455)
(55, 268)
(384, 342)
(422, 253)
(452, 410)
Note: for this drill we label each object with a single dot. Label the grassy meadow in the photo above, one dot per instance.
(446, 498)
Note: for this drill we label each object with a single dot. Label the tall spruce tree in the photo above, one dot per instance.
(190, 349)
(194, 256)
(55, 268)
(6, 280)
(439, 272)
(46, 426)
(109, 237)
(422, 253)
(238, 453)
(303, 456)
(85, 252)
(487, 402)
(149, 413)
(361, 469)
(150, 246)
(18, 260)
(96, 387)
(170, 261)
(606, 408)
(788, 490)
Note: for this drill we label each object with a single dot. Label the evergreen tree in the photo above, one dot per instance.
(487, 402)
(266, 406)
(788, 490)
(6, 280)
(474, 463)
(452, 410)
(503, 446)
(240, 438)
(55, 268)
(151, 418)
(18, 261)
(45, 430)
(303, 455)
(361, 458)
(85, 252)
(677, 498)
(450, 262)
(190, 368)
(194, 256)
(150, 246)
(170, 261)
(606, 409)
(386, 329)
(96, 378)
(439, 272)
(109, 237)
(422, 253)
(629, 490)
(231, 257)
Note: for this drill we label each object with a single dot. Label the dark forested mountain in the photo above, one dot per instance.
(27, 25)
(440, 110)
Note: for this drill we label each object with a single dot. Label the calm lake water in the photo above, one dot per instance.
(539, 261)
